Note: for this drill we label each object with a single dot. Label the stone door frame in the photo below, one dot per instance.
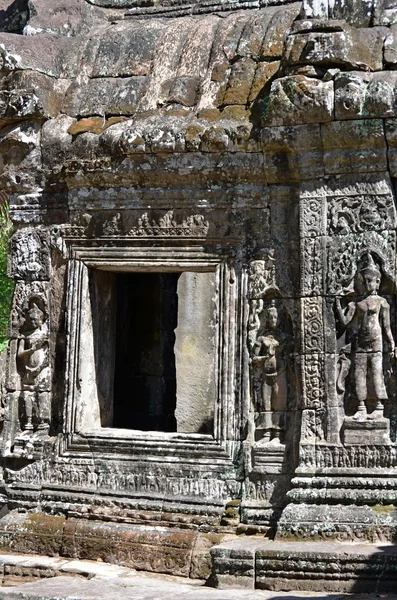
(230, 360)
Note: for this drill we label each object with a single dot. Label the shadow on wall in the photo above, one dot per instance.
(14, 18)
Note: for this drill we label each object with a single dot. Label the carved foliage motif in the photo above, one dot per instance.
(313, 378)
(311, 267)
(312, 426)
(312, 324)
(344, 254)
(312, 215)
(30, 255)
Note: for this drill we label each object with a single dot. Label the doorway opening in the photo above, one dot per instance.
(154, 338)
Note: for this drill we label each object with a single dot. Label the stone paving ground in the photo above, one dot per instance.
(86, 580)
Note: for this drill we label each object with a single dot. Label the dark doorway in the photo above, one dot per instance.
(145, 373)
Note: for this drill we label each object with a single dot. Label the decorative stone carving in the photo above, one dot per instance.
(362, 456)
(312, 215)
(366, 320)
(167, 226)
(344, 254)
(360, 213)
(313, 377)
(33, 366)
(311, 267)
(30, 255)
(262, 276)
(22, 292)
(86, 476)
(270, 339)
(312, 325)
(112, 226)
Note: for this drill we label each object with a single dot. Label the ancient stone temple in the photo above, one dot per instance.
(202, 334)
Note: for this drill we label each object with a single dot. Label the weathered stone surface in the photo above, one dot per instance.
(252, 150)
(291, 153)
(298, 99)
(365, 95)
(66, 17)
(358, 14)
(194, 351)
(352, 146)
(307, 562)
(390, 48)
(391, 137)
(107, 96)
(335, 44)
(123, 50)
(55, 56)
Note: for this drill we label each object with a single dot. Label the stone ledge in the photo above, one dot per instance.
(306, 566)
(166, 550)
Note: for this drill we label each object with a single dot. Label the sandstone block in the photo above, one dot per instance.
(263, 73)
(122, 50)
(240, 82)
(390, 48)
(292, 153)
(354, 146)
(365, 95)
(391, 137)
(297, 99)
(105, 96)
(335, 44)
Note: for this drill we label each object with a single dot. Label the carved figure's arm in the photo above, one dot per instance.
(385, 321)
(345, 316)
(22, 351)
(257, 347)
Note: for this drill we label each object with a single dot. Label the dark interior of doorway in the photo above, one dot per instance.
(145, 373)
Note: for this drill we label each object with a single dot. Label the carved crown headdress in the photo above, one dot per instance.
(370, 266)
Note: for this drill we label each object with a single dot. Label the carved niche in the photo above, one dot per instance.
(33, 366)
(270, 342)
(366, 359)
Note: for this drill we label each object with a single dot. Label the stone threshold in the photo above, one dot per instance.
(21, 568)
(327, 566)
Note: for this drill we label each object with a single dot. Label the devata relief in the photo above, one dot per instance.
(366, 321)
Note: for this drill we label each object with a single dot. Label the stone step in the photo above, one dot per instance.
(153, 548)
(253, 562)
(149, 588)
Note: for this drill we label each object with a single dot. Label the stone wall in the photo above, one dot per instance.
(248, 147)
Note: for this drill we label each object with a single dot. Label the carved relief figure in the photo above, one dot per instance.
(33, 366)
(269, 375)
(262, 275)
(30, 255)
(270, 348)
(367, 323)
(168, 226)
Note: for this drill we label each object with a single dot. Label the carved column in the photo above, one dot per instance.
(348, 333)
